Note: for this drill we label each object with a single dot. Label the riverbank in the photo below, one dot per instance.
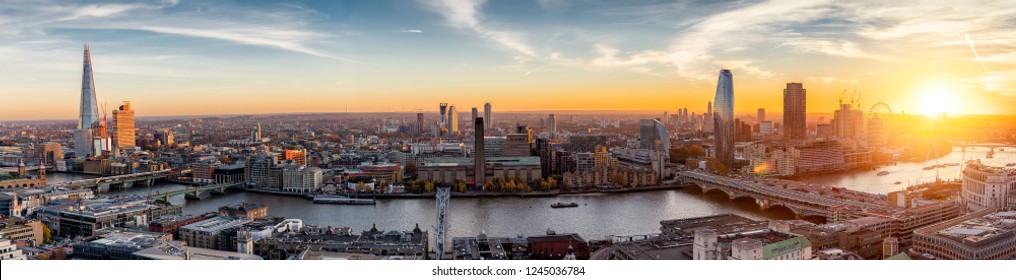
(430, 195)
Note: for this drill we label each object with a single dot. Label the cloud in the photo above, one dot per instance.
(973, 49)
(465, 14)
(284, 28)
(410, 31)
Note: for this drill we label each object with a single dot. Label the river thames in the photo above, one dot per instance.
(597, 217)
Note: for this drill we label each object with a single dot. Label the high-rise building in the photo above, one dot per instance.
(552, 125)
(517, 144)
(653, 136)
(474, 115)
(761, 115)
(848, 122)
(479, 172)
(723, 118)
(453, 120)
(123, 126)
(488, 121)
(88, 116)
(419, 124)
(444, 112)
(255, 134)
(794, 108)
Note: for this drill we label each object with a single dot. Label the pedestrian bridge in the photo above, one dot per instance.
(802, 204)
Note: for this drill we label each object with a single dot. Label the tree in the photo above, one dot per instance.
(47, 235)
(428, 187)
(411, 168)
(619, 179)
(714, 165)
(460, 186)
(682, 153)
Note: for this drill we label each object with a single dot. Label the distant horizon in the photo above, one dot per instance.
(646, 112)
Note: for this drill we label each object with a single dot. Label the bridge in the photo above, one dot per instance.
(801, 203)
(126, 180)
(195, 192)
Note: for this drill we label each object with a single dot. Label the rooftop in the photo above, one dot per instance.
(982, 230)
(494, 161)
(215, 224)
(721, 224)
(174, 250)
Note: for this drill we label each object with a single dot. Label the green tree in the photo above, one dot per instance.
(47, 235)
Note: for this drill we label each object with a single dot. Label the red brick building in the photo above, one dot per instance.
(554, 246)
(172, 224)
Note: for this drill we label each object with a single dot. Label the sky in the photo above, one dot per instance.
(186, 57)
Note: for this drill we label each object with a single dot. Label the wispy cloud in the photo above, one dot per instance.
(410, 31)
(465, 14)
(973, 49)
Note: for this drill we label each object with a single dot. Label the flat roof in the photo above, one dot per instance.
(982, 229)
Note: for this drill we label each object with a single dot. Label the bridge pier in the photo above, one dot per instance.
(103, 187)
(128, 184)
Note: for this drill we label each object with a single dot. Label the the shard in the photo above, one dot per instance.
(88, 117)
(723, 118)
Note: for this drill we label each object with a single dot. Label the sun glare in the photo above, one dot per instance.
(936, 100)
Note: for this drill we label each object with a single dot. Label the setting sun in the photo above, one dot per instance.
(938, 99)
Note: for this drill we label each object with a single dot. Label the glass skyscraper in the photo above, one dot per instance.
(89, 111)
(723, 118)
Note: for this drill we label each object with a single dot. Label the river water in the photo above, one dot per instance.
(598, 215)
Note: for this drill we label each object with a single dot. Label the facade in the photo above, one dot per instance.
(171, 224)
(653, 136)
(453, 119)
(297, 156)
(517, 144)
(405, 245)
(794, 112)
(204, 171)
(758, 245)
(554, 246)
(299, 179)
(245, 211)
(123, 126)
(448, 170)
(9, 251)
(88, 116)
(86, 218)
(22, 232)
(487, 116)
(987, 187)
(863, 236)
(723, 118)
(982, 235)
(260, 171)
(848, 122)
(821, 156)
(552, 126)
(876, 133)
(50, 154)
(205, 234)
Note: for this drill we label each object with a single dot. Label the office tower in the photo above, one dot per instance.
(848, 123)
(709, 108)
(479, 171)
(723, 118)
(653, 136)
(453, 120)
(666, 118)
(89, 111)
(444, 115)
(794, 112)
(552, 125)
(255, 134)
(488, 121)
(166, 137)
(419, 124)
(123, 126)
(475, 115)
(761, 115)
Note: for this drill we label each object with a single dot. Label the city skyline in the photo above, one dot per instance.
(296, 57)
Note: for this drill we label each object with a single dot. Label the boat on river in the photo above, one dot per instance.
(883, 173)
(564, 205)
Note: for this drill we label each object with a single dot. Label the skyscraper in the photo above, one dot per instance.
(123, 126)
(419, 124)
(475, 115)
(486, 116)
(479, 171)
(794, 108)
(761, 115)
(552, 125)
(723, 118)
(255, 134)
(444, 116)
(453, 119)
(88, 116)
(653, 136)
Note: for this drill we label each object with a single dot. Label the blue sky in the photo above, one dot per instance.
(201, 57)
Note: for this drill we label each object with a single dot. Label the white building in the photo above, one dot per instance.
(987, 187)
(765, 127)
(9, 251)
(755, 245)
(301, 179)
